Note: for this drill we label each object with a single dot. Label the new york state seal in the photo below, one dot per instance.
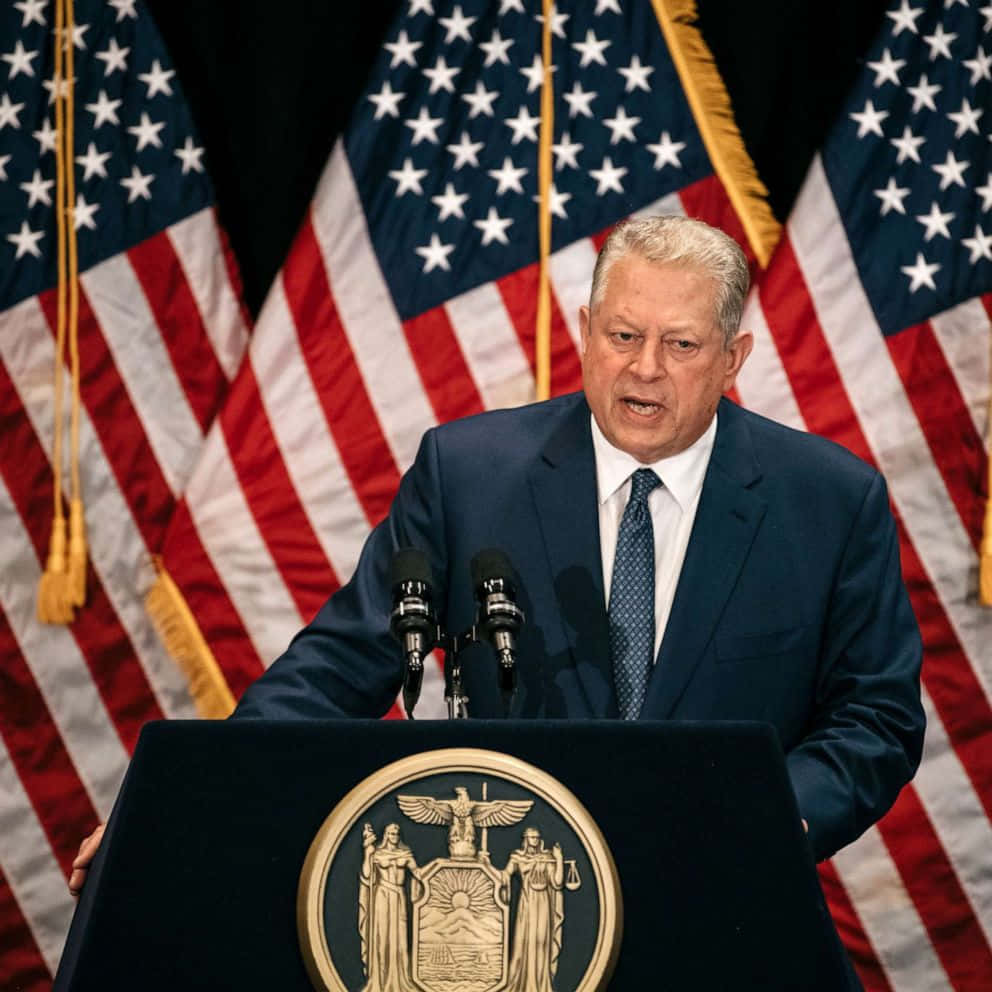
(459, 870)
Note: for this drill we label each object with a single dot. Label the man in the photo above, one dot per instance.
(753, 576)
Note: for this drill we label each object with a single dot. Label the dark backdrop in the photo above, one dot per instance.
(271, 84)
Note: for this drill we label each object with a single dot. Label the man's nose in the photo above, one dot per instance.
(648, 364)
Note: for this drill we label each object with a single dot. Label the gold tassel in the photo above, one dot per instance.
(181, 635)
(76, 587)
(53, 597)
(714, 116)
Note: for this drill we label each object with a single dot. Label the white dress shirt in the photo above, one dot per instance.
(672, 505)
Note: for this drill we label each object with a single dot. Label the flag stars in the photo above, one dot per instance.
(621, 127)
(579, 100)
(904, 19)
(45, 137)
(31, 11)
(63, 88)
(190, 155)
(450, 203)
(82, 214)
(424, 127)
(157, 79)
(524, 125)
(566, 152)
(78, 30)
(986, 12)
(38, 190)
(920, 273)
(534, 73)
(556, 202)
(892, 197)
(435, 254)
(965, 119)
(496, 50)
(387, 102)
(493, 227)
(591, 50)
(557, 21)
(26, 241)
(939, 43)
(4, 159)
(869, 120)
(602, 6)
(137, 185)
(441, 75)
(951, 171)
(923, 94)
(402, 50)
(456, 26)
(93, 162)
(666, 151)
(124, 8)
(980, 246)
(104, 111)
(908, 146)
(608, 177)
(19, 61)
(408, 178)
(980, 66)
(508, 177)
(886, 69)
(146, 131)
(636, 75)
(985, 192)
(421, 7)
(466, 151)
(114, 58)
(505, 6)
(481, 101)
(9, 112)
(935, 223)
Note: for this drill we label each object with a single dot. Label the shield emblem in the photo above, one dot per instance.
(460, 928)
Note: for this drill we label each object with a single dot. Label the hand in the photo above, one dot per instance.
(805, 826)
(556, 853)
(81, 865)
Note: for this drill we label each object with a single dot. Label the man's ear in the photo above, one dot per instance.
(737, 352)
(584, 318)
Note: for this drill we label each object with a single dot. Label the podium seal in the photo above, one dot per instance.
(459, 870)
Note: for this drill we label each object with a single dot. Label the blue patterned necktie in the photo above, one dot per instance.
(632, 597)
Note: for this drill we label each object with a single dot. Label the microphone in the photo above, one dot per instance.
(498, 617)
(412, 620)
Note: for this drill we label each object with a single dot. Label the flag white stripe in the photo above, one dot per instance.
(963, 335)
(197, 243)
(491, 347)
(571, 276)
(957, 816)
(762, 383)
(886, 416)
(145, 367)
(307, 447)
(898, 936)
(232, 541)
(30, 867)
(117, 549)
(58, 668)
(367, 313)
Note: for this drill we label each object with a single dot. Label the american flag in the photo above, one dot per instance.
(873, 327)
(161, 334)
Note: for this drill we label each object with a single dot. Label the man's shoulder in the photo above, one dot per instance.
(523, 425)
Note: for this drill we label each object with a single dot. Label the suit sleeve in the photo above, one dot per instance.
(345, 662)
(866, 737)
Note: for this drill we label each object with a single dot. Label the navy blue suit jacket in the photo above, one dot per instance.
(790, 607)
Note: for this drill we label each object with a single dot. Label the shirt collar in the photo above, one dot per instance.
(681, 474)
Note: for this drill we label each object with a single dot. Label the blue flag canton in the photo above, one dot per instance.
(444, 143)
(138, 165)
(910, 162)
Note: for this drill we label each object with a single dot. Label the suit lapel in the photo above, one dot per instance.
(727, 519)
(563, 484)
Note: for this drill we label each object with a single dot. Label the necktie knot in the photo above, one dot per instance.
(642, 483)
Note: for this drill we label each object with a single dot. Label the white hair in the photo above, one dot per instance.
(687, 243)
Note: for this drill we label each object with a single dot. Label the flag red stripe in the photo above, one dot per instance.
(956, 448)
(161, 276)
(23, 966)
(566, 367)
(351, 417)
(987, 303)
(443, 370)
(232, 270)
(519, 292)
(707, 200)
(272, 498)
(102, 640)
(191, 569)
(934, 888)
(39, 755)
(117, 424)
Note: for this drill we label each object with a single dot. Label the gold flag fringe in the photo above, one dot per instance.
(542, 330)
(714, 116)
(181, 635)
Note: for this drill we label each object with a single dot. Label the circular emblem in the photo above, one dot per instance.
(459, 870)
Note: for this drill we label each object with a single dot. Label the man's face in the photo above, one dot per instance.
(653, 362)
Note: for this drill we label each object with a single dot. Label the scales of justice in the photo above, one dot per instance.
(459, 905)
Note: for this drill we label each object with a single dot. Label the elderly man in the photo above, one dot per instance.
(679, 557)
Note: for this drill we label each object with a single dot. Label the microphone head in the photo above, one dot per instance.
(489, 565)
(410, 565)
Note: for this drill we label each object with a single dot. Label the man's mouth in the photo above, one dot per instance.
(643, 408)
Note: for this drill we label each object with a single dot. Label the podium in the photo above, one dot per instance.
(195, 885)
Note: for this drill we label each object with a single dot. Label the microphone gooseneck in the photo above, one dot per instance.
(412, 620)
(498, 618)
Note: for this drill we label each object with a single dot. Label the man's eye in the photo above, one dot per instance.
(683, 345)
(623, 337)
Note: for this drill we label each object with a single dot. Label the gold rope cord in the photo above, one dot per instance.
(714, 117)
(543, 327)
(985, 567)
